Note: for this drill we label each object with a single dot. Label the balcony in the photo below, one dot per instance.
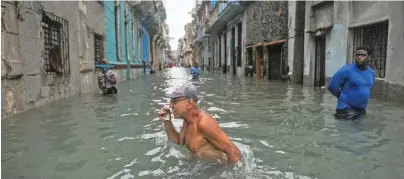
(199, 35)
(226, 11)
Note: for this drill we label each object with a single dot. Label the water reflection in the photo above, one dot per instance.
(282, 131)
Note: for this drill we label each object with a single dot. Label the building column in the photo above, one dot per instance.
(309, 46)
(223, 48)
(296, 12)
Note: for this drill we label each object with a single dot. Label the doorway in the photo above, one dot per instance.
(233, 50)
(274, 62)
(319, 66)
(219, 55)
(258, 56)
(225, 54)
(238, 55)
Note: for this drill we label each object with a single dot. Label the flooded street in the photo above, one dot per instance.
(282, 131)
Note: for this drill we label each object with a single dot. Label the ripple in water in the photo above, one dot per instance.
(216, 109)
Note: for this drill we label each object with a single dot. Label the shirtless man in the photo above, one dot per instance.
(200, 133)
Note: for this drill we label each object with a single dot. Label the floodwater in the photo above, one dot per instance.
(282, 131)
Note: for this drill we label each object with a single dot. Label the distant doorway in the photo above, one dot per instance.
(319, 66)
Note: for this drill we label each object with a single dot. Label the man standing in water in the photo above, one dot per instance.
(195, 71)
(200, 133)
(107, 81)
(352, 84)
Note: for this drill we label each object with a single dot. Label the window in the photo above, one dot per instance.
(98, 48)
(375, 37)
(56, 44)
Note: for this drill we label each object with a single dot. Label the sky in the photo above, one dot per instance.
(177, 16)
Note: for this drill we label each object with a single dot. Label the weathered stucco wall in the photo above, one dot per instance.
(266, 21)
(34, 87)
(24, 82)
(296, 21)
(368, 10)
(92, 21)
(323, 15)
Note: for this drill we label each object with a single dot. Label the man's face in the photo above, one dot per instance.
(179, 106)
(361, 57)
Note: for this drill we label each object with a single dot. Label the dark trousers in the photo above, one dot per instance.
(349, 114)
(111, 90)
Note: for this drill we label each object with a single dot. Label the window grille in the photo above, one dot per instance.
(375, 37)
(98, 48)
(56, 44)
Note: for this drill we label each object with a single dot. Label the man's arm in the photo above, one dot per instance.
(337, 81)
(173, 135)
(216, 136)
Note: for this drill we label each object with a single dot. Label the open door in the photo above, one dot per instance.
(319, 68)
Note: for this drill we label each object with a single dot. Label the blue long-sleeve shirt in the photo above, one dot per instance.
(352, 86)
(195, 72)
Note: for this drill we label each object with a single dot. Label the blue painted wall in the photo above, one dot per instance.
(131, 35)
(110, 39)
(136, 53)
(145, 45)
(122, 10)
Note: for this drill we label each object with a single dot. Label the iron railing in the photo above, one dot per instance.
(98, 48)
(375, 37)
(56, 44)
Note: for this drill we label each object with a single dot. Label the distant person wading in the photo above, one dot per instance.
(195, 71)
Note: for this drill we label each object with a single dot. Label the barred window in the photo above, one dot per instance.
(375, 37)
(56, 44)
(98, 48)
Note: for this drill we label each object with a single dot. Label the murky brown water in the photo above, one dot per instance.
(283, 132)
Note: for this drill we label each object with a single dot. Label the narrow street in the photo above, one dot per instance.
(83, 85)
(282, 131)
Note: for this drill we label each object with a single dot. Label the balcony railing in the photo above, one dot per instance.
(222, 5)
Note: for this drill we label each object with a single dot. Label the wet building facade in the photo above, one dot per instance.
(50, 49)
(266, 39)
(225, 29)
(332, 30)
(232, 36)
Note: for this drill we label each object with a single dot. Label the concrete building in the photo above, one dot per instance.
(333, 29)
(266, 39)
(225, 28)
(50, 49)
(187, 51)
(152, 16)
